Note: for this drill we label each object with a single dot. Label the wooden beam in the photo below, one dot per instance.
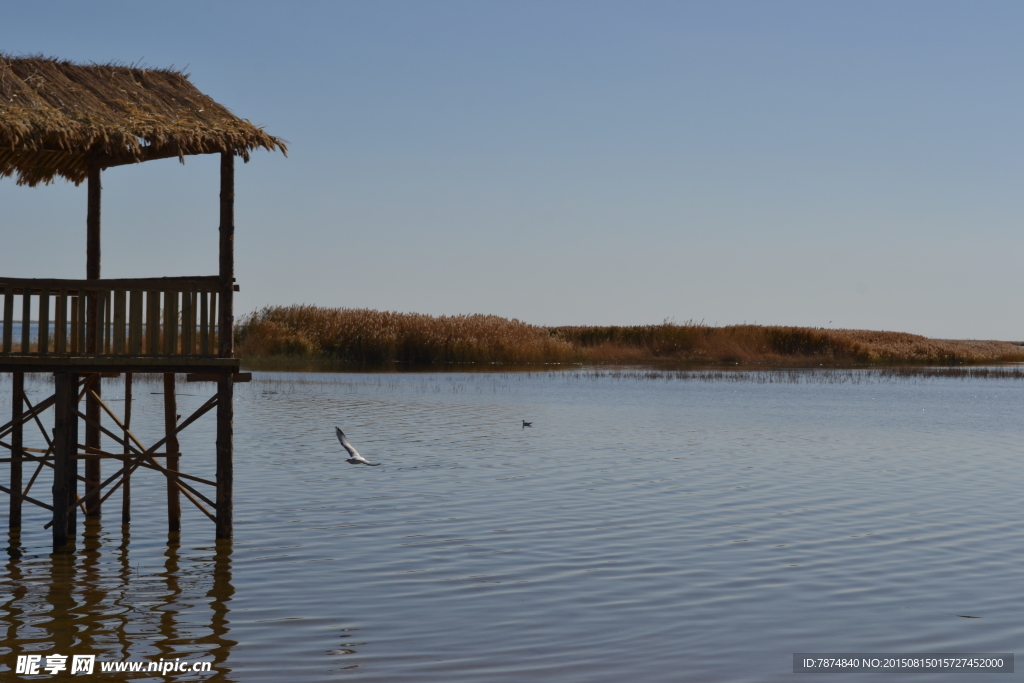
(197, 283)
(237, 377)
(28, 499)
(35, 416)
(94, 364)
(39, 467)
(25, 417)
(124, 427)
(105, 455)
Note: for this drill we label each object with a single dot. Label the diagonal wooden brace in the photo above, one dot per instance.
(136, 462)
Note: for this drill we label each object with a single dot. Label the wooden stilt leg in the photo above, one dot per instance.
(17, 411)
(94, 326)
(126, 487)
(65, 434)
(225, 448)
(170, 423)
(72, 469)
(93, 473)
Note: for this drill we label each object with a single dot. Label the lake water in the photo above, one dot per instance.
(646, 528)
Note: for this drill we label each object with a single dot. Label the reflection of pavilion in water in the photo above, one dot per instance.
(74, 604)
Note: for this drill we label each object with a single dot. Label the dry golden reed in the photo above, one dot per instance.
(369, 337)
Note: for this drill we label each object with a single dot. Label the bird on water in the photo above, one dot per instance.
(527, 424)
(354, 457)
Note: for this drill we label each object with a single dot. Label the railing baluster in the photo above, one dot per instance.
(74, 324)
(105, 319)
(119, 301)
(110, 321)
(100, 326)
(194, 322)
(175, 319)
(135, 323)
(186, 315)
(83, 299)
(100, 300)
(43, 342)
(8, 318)
(26, 320)
(214, 343)
(152, 323)
(170, 323)
(204, 320)
(60, 323)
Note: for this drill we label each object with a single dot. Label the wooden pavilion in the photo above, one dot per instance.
(59, 119)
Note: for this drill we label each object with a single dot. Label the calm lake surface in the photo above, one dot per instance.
(644, 529)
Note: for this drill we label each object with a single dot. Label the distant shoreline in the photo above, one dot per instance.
(312, 337)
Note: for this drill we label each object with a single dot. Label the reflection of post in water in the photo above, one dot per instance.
(169, 608)
(11, 612)
(91, 613)
(60, 596)
(219, 645)
(124, 602)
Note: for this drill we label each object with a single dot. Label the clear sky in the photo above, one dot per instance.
(843, 164)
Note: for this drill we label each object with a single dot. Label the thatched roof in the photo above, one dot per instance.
(57, 118)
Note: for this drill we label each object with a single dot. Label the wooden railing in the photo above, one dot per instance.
(170, 316)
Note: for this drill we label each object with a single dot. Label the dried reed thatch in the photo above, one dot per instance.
(58, 118)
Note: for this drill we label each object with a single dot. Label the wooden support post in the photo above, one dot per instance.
(225, 387)
(170, 424)
(93, 473)
(126, 487)
(225, 466)
(65, 469)
(17, 411)
(93, 469)
(92, 226)
(227, 253)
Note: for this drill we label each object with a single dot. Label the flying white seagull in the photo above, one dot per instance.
(354, 457)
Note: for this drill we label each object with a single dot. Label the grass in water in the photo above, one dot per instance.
(367, 337)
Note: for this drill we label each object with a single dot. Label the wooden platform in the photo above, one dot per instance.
(104, 364)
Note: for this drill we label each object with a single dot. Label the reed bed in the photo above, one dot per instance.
(367, 337)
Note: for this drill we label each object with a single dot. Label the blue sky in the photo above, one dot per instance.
(852, 164)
